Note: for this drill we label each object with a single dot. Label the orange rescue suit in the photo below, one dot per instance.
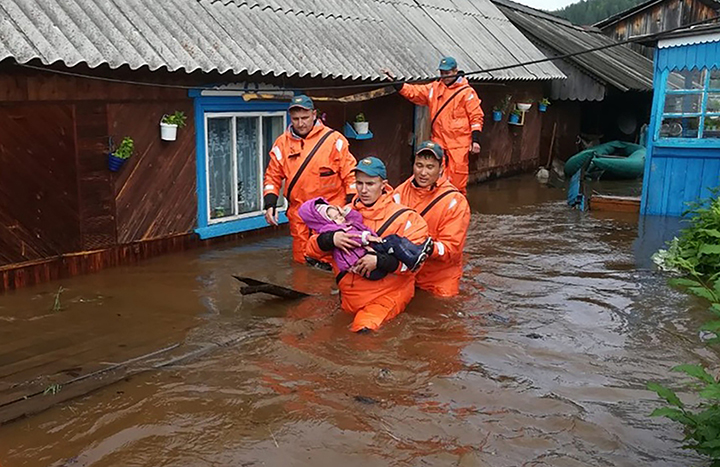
(448, 220)
(453, 129)
(374, 302)
(329, 174)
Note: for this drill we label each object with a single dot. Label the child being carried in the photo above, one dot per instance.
(322, 217)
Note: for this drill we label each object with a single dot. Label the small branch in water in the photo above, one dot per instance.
(273, 437)
(56, 306)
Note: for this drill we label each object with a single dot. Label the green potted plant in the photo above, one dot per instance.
(361, 125)
(501, 108)
(170, 124)
(515, 116)
(117, 158)
(543, 104)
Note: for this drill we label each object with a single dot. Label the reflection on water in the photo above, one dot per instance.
(542, 360)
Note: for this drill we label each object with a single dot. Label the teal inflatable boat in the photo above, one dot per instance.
(616, 159)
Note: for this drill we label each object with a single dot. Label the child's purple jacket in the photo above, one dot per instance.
(354, 225)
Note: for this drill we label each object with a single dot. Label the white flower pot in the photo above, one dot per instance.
(523, 107)
(168, 131)
(361, 128)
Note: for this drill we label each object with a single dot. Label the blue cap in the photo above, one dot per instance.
(373, 167)
(447, 64)
(432, 148)
(303, 102)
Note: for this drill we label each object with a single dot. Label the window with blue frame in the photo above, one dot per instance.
(237, 151)
(691, 109)
(234, 138)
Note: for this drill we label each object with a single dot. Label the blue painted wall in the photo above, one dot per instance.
(678, 170)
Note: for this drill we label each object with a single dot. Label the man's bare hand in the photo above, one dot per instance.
(475, 148)
(346, 241)
(271, 216)
(365, 265)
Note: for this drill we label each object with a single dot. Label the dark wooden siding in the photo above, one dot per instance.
(155, 190)
(38, 182)
(658, 18)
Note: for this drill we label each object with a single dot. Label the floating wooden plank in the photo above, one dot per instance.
(615, 203)
(256, 286)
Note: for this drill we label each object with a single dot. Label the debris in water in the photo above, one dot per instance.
(534, 335)
(56, 305)
(499, 318)
(365, 400)
(52, 389)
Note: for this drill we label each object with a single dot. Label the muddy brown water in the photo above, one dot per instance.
(542, 360)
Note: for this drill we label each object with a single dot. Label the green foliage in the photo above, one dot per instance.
(52, 389)
(504, 104)
(359, 118)
(125, 150)
(588, 12)
(545, 101)
(56, 304)
(178, 118)
(696, 251)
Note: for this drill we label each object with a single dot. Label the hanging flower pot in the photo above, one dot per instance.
(170, 124)
(523, 106)
(117, 158)
(168, 131)
(514, 118)
(497, 115)
(361, 125)
(114, 162)
(543, 104)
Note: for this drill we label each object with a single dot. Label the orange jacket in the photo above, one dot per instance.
(448, 222)
(329, 174)
(454, 126)
(394, 291)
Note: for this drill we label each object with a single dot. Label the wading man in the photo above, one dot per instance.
(313, 160)
(374, 302)
(447, 214)
(456, 117)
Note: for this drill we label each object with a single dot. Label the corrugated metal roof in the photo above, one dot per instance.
(617, 66)
(347, 39)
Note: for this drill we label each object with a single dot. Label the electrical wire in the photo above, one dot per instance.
(646, 37)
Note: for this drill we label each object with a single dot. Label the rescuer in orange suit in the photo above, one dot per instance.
(374, 302)
(456, 117)
(447, 214)
(313, 160)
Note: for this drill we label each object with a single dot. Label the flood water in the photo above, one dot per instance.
(542, 360)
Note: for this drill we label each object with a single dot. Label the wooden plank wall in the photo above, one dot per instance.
(155, 191)
(38, 182)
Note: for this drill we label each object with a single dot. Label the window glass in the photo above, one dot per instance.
(712, 127)
(686, 79)
(683, 103)
(679, 127)
(248, 167)
(220, 170)
(715, 79)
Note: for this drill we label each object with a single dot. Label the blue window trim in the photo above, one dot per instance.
(203, 104)
(659, 107)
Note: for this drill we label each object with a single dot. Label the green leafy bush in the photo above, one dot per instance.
(178, 118)
(695, 253)
(125, 150)
(697, 250)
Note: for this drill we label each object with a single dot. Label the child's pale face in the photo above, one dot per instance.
(335, 215)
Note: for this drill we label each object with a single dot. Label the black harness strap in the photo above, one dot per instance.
(305, 163)
(380, 231)
(446, 103)
(436, 201)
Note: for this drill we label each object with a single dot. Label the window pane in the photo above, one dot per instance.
(273, 127)
(713, 102)
(712, 127)
(220, 167)
(686, 79)
(682, 103)
(248, 180)
(683, 127)
(715, 79)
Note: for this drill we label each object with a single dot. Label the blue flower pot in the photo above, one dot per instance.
(514, 118)
(497, 115)
(114, 163)
(542, 107)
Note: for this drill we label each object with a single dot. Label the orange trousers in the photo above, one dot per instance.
(383, 308)
(300, 234)
(457, 169)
